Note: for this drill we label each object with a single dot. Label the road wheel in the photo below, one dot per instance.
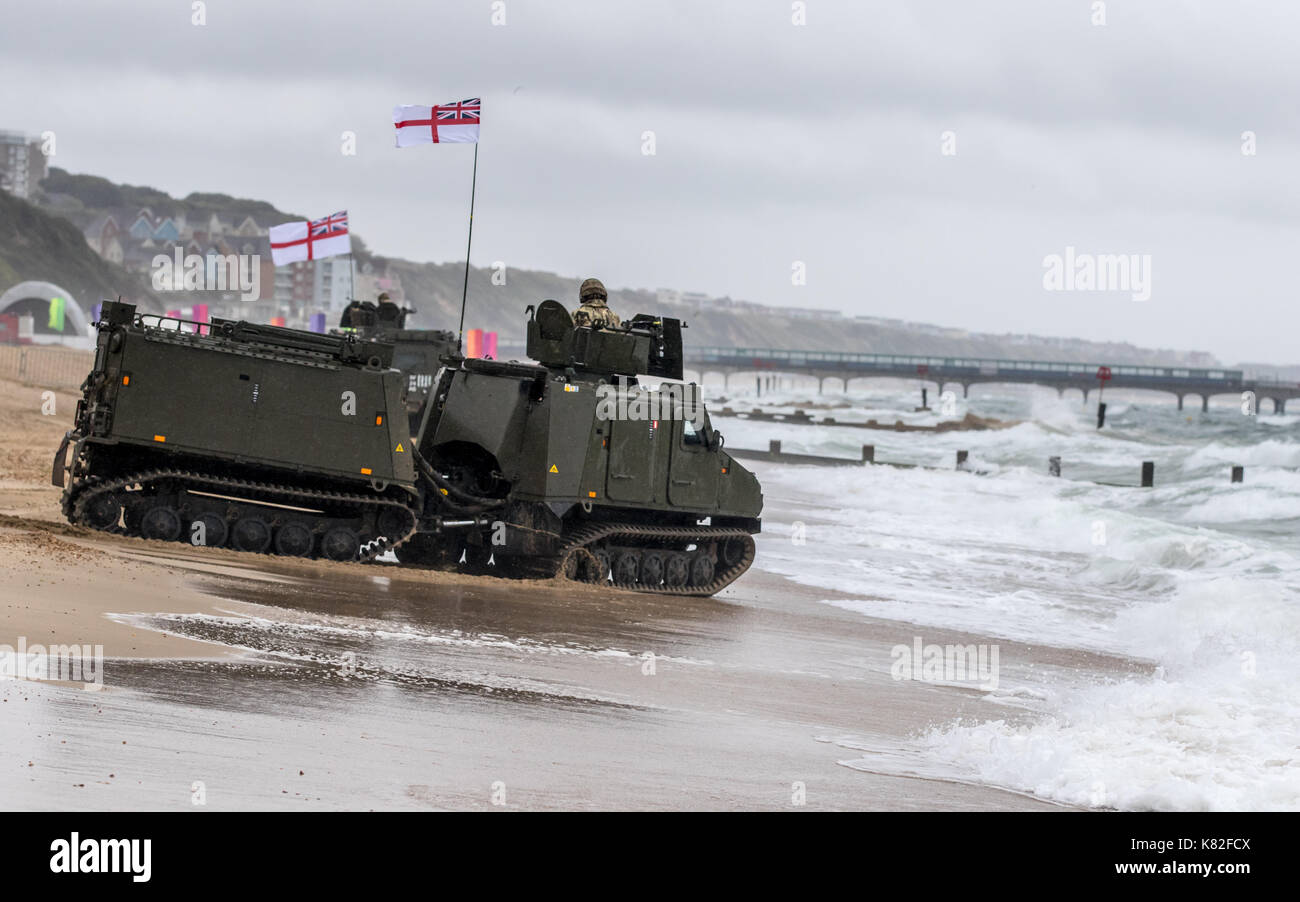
(627, 568)
(652, 569)
(251, 534)
(162, 523)
(102, 512)
(340, 544)
(131, 514)
(293, 540)
(392, 523)
(701, 570)
(731, 551)
(602, 561)
(214, 531)
(677, 570)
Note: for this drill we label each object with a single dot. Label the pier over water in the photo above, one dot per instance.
(1201, 382)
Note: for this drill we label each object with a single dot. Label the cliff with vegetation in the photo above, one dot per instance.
(47, 243)
(37, 246)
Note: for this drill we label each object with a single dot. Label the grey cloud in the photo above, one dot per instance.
(775, 143)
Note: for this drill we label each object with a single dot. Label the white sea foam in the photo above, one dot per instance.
(1198, 578)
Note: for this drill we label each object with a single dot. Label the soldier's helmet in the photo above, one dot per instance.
(592, 290)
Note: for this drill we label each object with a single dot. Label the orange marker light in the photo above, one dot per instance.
(126, 380)
(365, 471)
(591, 494)
(160, 438)
(379, 421)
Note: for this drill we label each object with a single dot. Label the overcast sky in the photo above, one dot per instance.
(774, 143)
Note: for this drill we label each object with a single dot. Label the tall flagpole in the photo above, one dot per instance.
(464, 291)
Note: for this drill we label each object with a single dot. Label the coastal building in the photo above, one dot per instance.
(22, 163)
(332, 284)
(294, 284)
(104, 236)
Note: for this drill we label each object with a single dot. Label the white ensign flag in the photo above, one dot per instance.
(324, 237)
(450, 123)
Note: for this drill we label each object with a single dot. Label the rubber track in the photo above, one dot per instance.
(74, 503)
(585, 536)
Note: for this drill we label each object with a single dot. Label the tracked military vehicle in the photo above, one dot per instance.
(417, 353)
(268, 439)
(570, 466)
(255, 437)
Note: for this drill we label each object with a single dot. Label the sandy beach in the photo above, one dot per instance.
(396, 688)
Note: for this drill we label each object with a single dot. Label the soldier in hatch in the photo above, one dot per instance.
(388, 313)
(594, 312)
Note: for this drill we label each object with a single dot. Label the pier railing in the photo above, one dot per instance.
(954, 368)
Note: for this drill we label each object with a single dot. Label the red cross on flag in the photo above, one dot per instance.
(450, 123)
(324, 237)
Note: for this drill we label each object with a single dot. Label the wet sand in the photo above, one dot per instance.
(280, 684)
(389, 688)
(59, 588)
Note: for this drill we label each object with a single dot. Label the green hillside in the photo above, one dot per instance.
(35, 245)
(48, 244)
(81, 197)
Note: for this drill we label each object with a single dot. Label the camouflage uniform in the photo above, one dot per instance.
(594, 312)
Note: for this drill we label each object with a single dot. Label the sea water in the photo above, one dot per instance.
(1196, 581)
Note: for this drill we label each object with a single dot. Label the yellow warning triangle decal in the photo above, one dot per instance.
(553, 470)
(399, 446)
